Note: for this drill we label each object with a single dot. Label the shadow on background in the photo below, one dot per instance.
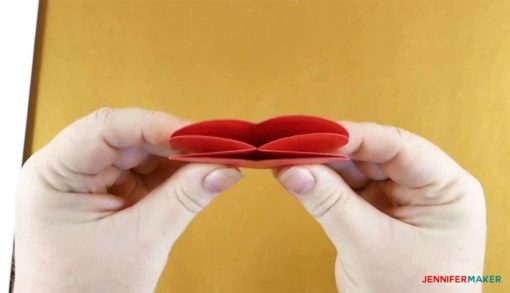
(36, 73)
(32, 104)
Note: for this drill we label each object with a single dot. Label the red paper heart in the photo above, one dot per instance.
(280, 141)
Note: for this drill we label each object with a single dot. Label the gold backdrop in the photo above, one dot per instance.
(438, 68)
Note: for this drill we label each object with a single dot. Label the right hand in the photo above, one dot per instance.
(401, 209)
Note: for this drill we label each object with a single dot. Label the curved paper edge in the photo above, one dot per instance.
(218, 154)
(227, 128)
(286, 126)
(262, 164)
(201, 144)
(258, 134)
(324, 143)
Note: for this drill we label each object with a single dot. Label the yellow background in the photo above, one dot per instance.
(438, 68)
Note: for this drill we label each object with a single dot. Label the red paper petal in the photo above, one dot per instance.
(232, 129)
(207, 144)
(279, 141)
(312, 142)
(263, 164)
(256, 155)
(264, 132)
(286, 126)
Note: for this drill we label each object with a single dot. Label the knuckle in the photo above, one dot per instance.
(32, 162)
(476, 184)
(147, 118)
(101, 115)
(92, 123)
(404, 135)
(93, 184)
(335, 198)
(469, 202)
(186, 198)
(97, 123)
(69, 137)
(474, 192)
(30, 169)
(147, 115)
(470, 185)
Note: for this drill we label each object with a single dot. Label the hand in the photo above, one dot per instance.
(399, 210)
(99, 208)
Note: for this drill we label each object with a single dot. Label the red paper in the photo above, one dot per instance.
(280, 141)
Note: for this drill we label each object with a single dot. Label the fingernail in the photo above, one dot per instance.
(297, 180)
(110, 203)
(221, 179)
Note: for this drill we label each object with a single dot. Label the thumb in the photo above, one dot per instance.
(350, 222)
(164, 214)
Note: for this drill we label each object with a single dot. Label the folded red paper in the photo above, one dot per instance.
(279, 141)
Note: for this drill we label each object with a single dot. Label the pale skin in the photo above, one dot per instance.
(99, 208)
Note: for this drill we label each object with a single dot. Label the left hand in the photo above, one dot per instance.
(99, 208)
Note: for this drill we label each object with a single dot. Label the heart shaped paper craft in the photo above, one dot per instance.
(280, 141)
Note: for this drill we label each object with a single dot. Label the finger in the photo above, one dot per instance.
(350, 222)
(122, 138)
(164, 213)
(77, 207)
(125, 184)
(57, 177)
(130, 187)
(150, 164)
(372, 170)
(350, 173)
(406, 158)
(130, 157)
(363, 177)
(165, 169)
(94, 142)
(374, 194)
